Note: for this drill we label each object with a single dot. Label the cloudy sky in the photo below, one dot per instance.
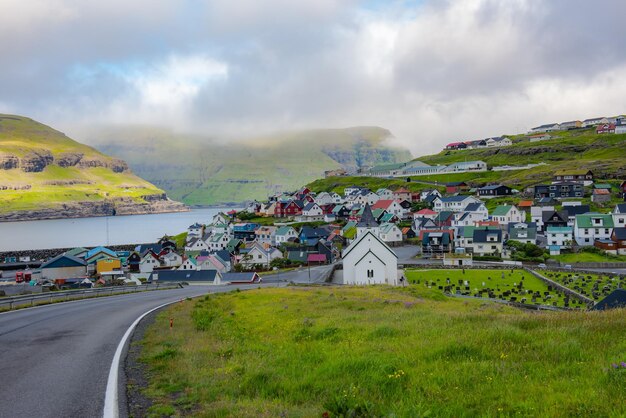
(431, 71)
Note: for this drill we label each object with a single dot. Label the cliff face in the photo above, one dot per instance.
(46, 175)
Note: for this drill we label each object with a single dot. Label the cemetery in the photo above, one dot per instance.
(594, 286)
(513, 285)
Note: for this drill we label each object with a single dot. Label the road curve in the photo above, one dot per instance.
(55, 359)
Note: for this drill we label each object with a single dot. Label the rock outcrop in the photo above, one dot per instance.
(36, 161)
(9, 162)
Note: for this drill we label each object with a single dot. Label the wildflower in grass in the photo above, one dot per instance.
(503, 356)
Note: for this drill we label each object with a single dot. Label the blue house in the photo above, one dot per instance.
(98, 253)
(310, 236)
(245, 231)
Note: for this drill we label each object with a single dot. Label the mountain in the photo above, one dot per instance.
(44, 174)
(203, 170)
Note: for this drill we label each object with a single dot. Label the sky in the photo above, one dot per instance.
(430, 71)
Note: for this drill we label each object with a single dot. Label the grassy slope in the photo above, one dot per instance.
(603, 154)
(338, 184)
(385, 352)
(201, 171)
(20, 136)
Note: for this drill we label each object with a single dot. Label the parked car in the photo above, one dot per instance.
(567, 266)
(541, 266)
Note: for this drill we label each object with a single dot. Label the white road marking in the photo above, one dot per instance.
(111, 399)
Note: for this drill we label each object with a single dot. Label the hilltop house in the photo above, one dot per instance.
(499, 141)
(495, 190)
(594, 121)
(575, 176)
(548, 127)
(456, 187)
(572, 124)
(606, 128)
(559, 190)
(539, 137)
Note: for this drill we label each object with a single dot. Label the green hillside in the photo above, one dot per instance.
(204, 170)
(603, 154)
(43, 169)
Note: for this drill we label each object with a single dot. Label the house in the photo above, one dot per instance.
(241, 278)
(486, 241)
(245, 231)
(421, 224)
(554, 218)
(259, 255)
(348, 191)
(499, 141)
(108, 264)
(573, 124)
(522, 232)
(548, 127)
(559, 238)
(559, 190)
(425, 213)
(316, 259)
(456, 145)
(425, 194)
(478, 211)
(266, 235)
(536, 215)
(476, 144)
(408, 233)
(221, 218)
(63, 267)
(437, 242)
(505, 214)
(390, 206)
(341, 212)
(453, 203)
(285, 234)
(149, 261)
(218, 242)
(98, 253)
(620, 127)
(369, 260)
(390, 233)
(189, 276)
(572, 211)
(546, 201)
(462, 167)
(363, 197)
(197, 244)
(385, 194)
(78, 252)
(539, 137)
(574, 176)
(324, 198)
(211, 262)
(525, 204)
(619, 237)
(594, 121)
(619, 215)
(606, 128)
(233, 246)
(195, 230)
(600, 195)
(403, 194)
(312, 210)
(592, 226)
(495, 190)
(171, 259)
(189, 263)
(444, 219)
(456, 187)
(309, 235)
(133, 261)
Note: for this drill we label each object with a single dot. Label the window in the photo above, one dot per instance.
(370, 273)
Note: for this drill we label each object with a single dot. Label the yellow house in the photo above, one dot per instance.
(108, 264)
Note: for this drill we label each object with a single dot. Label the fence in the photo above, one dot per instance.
(50, 297)
(562, 288)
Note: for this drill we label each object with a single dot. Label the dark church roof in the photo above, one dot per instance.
(617, 299)
(367, 219)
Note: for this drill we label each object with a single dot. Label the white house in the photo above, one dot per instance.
(486, 241)
(365, 197)
(260, 255)
(284, 234)
(324, 198)
(453, 203)
(425, 193)
(171, 259)
(220, 218)
(505, 214)
(478, 211)
(195, 230)
(198, 244)
(592, 226)
(218, 242)
(619, 215)
(536, 215)
(148, 262)
(558, 238)
(212, 262)
(312, 210)
(390, 232)
(266, 235)
(189, 264)
(368, 260)
(390, 206)
(385, 194)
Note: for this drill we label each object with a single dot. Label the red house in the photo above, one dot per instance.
(606, 128)
(456, 187)
(290, 208)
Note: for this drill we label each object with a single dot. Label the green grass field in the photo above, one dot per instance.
(510, 285)
(378, 351)
(594, 286)
(585, 257)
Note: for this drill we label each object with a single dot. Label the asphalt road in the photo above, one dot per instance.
(55, 359)
(304, 275)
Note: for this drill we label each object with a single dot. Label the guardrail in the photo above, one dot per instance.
(13, 302)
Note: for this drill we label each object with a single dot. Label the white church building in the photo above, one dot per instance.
(368, 260)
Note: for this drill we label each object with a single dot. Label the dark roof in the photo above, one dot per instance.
(456, 183)
(548, 215)
(239, 277)
(63, 260)
(309, 232)
(621, 207)
(144, 247)
(309, 206)
(576, 210)
(480, 234)
(617, 299)
(493, 187)
(367, 219)
(472, 207)
(186, 275)
(223, 254)
(620, 233)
